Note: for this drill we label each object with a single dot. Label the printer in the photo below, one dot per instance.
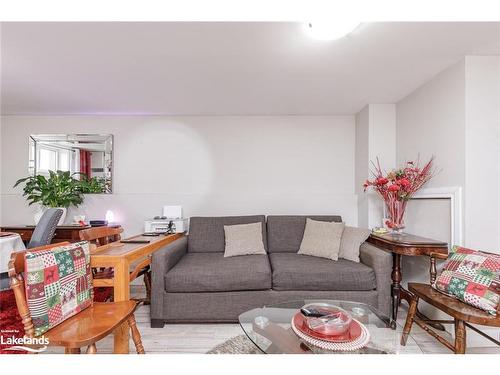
(171, 214)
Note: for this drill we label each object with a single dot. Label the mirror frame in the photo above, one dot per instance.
(34, 138)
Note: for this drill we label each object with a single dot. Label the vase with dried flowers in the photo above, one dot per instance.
(397, 187)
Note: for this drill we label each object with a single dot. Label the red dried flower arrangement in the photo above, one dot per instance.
(398, 186)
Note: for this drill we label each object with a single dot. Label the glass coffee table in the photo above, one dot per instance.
(269, 328)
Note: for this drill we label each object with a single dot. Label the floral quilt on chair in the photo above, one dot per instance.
(58, 284)
(472, 277)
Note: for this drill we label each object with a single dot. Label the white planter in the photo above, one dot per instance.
(38, 214)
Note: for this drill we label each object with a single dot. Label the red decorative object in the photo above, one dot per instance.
(352, 333)
(397, 187)
(10, 321)
(85, 163)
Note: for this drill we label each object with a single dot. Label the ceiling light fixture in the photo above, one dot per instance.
(330, 30)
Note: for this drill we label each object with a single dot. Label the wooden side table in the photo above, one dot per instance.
(406, 245)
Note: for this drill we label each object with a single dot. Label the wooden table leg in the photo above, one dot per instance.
(396, 287)
(121, 293)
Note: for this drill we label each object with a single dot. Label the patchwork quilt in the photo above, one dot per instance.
(58, 284)
(472, 277)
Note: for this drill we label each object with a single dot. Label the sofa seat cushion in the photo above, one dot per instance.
(303, 272)
(211, 272)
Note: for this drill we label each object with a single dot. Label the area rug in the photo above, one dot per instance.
(10, 321)
(241, 344)
(236, 345)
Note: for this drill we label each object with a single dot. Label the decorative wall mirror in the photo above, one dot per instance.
(86, 156)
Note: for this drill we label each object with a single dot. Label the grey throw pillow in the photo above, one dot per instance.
(352, 238)
(243, 239)
(322, 239)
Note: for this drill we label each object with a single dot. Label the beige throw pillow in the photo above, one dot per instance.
(322, 239)
(352, 238)
(243, 239)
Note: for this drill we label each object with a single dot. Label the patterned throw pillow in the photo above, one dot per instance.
(58, 284)
(473, 277)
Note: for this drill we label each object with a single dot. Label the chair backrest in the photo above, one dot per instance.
(101, 235)
(46, 227)
(16, 270)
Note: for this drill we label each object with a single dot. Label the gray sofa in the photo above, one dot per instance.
(193, 282)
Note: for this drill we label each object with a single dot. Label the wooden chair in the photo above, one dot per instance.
(81, 330)
(100, 236)
(463, 314)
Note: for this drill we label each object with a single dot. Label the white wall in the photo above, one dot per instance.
(209, 165)
(431, 121)
(482, 152)
(455, 117)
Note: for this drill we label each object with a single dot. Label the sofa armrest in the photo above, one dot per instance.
(163, 261)
(381, 262)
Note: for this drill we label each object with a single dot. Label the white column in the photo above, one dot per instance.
(375, 137)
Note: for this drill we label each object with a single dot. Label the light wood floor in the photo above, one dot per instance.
(200, 338)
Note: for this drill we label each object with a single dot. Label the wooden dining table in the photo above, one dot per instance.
(122, 257)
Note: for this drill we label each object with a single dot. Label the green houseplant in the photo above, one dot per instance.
(59, 190)
(93, 185)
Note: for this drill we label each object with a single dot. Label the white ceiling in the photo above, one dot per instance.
(223, 68)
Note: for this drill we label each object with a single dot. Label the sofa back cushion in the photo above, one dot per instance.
(206, 234)
(285, 233)
(244, 239)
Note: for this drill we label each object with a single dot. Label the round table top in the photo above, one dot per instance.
(269, 328)
(8, 244)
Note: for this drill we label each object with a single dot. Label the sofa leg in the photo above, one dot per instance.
(157, 323)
